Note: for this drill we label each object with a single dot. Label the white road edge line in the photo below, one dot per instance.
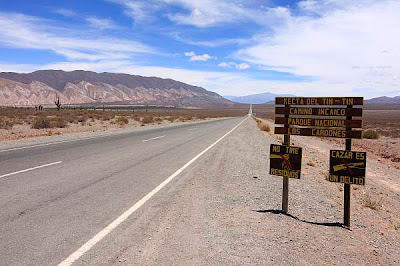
(30, 169)
(47, 144)
(160, 137)
(103, 233)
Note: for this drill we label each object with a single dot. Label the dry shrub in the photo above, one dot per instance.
(372, 204)
(6, 124)
(265, 127)
(51, 133)
(59, 123)
(147, 120)
(370, 134)
(170, 119)
(158, 120)
(82, 119)
(122, 121)
(262, 126)
(41, 122)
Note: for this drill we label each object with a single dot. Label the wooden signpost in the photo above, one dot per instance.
(324, 117)
(285, 161)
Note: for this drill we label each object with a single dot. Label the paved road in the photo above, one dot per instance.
(60, 200)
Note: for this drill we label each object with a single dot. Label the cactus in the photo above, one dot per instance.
(58, 102)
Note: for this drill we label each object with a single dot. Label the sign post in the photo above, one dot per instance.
(285, 182)
(323, 117)
(347, 188)
(285, 161)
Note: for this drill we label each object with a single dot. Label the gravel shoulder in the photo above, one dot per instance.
(224, 210)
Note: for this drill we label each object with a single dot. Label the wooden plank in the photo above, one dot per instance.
(319, 100)
(315, 122)
(285, 161)
(319, 132)
(299, 111)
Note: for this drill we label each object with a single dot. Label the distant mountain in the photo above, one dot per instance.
(384, 100)
(256, 98)
(79, 87)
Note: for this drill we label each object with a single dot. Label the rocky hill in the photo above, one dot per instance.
(79, 87)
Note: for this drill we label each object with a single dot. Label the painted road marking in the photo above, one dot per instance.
(103, 233)
(51, 143)
(160, 137)
(30, 169)
(73, 140)
(192, 128)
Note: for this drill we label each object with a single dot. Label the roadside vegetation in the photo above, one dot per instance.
(370, 134)
(28, 122)
(262, 125)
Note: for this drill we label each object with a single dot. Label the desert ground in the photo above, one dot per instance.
(222, 210)
(21, 123)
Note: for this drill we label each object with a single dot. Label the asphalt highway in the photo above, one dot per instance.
(58, 201)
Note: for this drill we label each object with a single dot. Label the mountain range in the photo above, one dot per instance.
(256, 98)
(85, 87)
(268, 97)
(384, 100)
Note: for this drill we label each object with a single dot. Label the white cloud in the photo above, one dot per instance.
(240, 66)
(65, 12)
(139, 11)
(21, 31)
(194, 57)
(101, 23)
(226, 64)
(205, 13)
(343, 48)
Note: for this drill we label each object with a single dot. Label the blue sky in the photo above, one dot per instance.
(308, 47)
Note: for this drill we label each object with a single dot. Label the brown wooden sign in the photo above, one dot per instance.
(314, 122)
(319, 132)
(347, 164)
(285, 161)
(319, 101)
(300, 111)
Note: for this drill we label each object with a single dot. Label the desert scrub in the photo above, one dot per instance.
(158, 120)
(170, 119)
(6, 124)
(370, 134)
(122, 121)
(262, 126)
(372, 204)
(59, 123)
(41, 122)
(82, 119)
(147, 120)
